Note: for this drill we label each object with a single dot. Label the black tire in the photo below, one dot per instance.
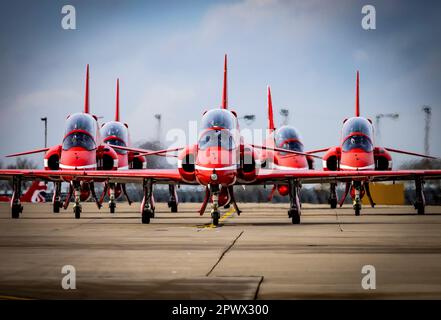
(333, 203)
(421, 209)
(145, 218)
(215, 215)
(15, 212)
(227, 206)
(173, 207)
(77, 211)
(357, 211)
(295, 219)
(56, 207)
(112, 207)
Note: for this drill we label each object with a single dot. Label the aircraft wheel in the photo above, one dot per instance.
(421, 209)
(146, 214)
(56, 206)
(294, 215)
(112, 207)
(173, 207)
(227, 206)
(215, 215)
(357, 210)
(333, 203)
(77, 211)
(15, 211)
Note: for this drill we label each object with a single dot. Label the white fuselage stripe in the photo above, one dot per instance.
(370, 167)
(233, 167)
(89, 166)
(289, 168)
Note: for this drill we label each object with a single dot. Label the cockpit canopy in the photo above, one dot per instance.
(357, 133)
(81, 130)
(216, 138)
(218, 118)
(115, 133)
(286, 137)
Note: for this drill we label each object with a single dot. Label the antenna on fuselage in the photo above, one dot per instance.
(86, 101)
(117, 101)
(357, 96)
(270, 111)
(225, 89)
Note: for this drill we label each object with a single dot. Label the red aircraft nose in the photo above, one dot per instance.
(78, 159)
(215, 166)
(357, 159)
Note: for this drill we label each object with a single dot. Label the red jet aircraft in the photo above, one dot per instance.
(357, 152)
(285, 137)
(81, 149)
(218, 161)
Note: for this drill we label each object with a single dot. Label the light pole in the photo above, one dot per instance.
(45, 131)
(393, 116)
(285, 115)
(249, 118)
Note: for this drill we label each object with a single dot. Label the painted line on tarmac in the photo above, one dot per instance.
(224, 217)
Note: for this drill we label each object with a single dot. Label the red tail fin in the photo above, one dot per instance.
(225, 89)
(86, 101)
(117, 101)
(357, 96)
(270, 111)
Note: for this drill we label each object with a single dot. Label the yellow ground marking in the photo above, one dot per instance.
(13, 298)
(224, 217)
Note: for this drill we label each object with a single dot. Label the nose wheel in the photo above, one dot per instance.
(147, 209)
(357, 198)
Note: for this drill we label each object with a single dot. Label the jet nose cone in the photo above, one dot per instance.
(78, 159)
(357, 160)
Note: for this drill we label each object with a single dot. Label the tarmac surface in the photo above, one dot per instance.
(257, 255)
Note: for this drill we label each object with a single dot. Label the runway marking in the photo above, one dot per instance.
(224, 217)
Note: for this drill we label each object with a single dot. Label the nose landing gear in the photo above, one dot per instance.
(147, 209)
(294, 211)
(16, 207)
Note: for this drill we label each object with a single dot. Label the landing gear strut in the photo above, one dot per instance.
(77, 198)
(16, 207)
(147, 210)
(112, 204)
(215, 214)
(420, 202)
(56, 199)
(368, 193)
(173, 199)
(356, 203)
(294, 211)
(332, 200)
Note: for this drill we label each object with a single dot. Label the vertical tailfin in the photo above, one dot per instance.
(225, 89)
(86, 101)
(357, 96)
(270, 111)
(117, 101)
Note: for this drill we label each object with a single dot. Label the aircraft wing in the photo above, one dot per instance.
(267, 176)
(161, 176)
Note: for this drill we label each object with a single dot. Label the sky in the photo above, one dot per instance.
(169, 58)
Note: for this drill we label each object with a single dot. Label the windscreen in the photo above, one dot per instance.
(357, 125)
(115, 133)
(81, 122)
(287, 138)
(78, 139)
(218, 118)
(357, 142)
(216, 138)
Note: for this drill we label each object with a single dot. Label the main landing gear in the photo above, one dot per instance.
(294, 211)
(332, 200)
(173, 199)
(16, 207)
(420, 202)
(56, 199)
(147, 206)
